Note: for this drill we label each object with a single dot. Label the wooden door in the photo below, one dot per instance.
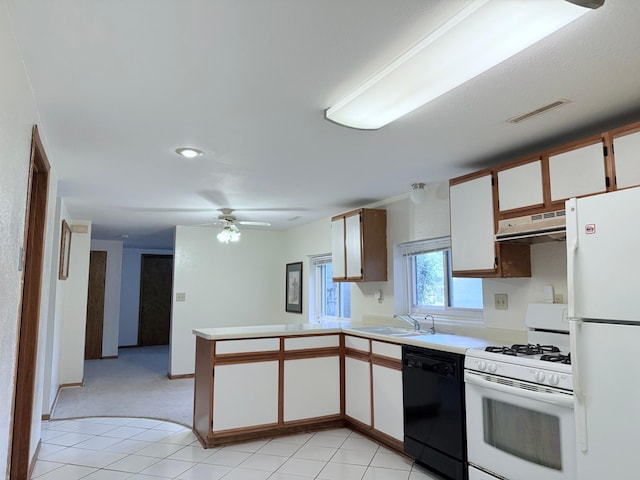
(95, 305)
(22, 404)
(156, 281)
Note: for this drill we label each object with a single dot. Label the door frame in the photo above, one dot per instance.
(28, 323)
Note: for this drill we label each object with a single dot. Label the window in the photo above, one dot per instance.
(430, 288)
(331, 300)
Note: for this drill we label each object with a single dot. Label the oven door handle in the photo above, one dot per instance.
(560, 399)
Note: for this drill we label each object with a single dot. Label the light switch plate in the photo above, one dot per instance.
(181, 297)
(501, 301)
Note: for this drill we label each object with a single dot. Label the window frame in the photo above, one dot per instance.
(405, 282)
(316, 281)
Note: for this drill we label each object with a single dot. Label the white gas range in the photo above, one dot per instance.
(519, 403)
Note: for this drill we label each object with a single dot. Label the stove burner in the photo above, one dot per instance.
(523, 349)
(559, 358)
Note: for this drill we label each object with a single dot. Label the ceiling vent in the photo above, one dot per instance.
(538, 111)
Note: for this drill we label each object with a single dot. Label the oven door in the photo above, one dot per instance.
(518, 430)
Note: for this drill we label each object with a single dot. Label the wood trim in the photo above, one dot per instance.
(110, 357)
(203, 388)
(311, 353)
(383, 438)
(28, 325)
(271, 430)
(388, 362)
(470, 176)
(342, 376)
(610, 162)
(583, 142)
(281, 358)
(357, 354)
(75, 384)
(247, 357)
(182, 375)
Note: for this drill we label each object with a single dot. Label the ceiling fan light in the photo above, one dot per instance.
(228, 234)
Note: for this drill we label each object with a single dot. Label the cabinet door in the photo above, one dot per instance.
(311, 388)
(627, 157)
(357, 390)
(353, 241)
(520, 186)
(337, 248)
(472, 229)
(245, 395)
(577, 172)
(387, 401)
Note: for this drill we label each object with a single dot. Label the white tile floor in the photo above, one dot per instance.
(142, 449)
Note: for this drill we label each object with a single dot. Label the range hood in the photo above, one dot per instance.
(540, 227)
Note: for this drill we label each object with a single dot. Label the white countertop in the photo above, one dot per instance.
(438, 341)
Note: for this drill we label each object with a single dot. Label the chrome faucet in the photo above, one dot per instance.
(410, 320)
(433, 323)
(416, 324)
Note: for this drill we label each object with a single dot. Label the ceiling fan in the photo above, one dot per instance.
(230, 232)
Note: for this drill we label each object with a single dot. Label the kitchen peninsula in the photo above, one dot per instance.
(261, 381)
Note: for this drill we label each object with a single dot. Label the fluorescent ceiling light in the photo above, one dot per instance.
(480, 36)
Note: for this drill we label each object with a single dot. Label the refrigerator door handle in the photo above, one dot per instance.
(572, 247)
(575, 330)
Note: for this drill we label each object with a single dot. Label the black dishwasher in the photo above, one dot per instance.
(434, 415)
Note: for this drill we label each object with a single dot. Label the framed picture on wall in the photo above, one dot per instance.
(293, 296)
(65, 251)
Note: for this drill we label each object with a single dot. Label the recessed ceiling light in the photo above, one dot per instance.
(189, 152)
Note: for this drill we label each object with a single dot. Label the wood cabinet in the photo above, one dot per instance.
(255, 387)
(387, 389)
(625, 146)
(235, 391)
(577, 169)
(359, 246)
(520, 186)
(474, 252)
(373, 389)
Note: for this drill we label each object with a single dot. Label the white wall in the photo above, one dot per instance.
(75, 307)
(225, 285)
(54, 312)
(111, 321)
(130, 293)
(18, 114)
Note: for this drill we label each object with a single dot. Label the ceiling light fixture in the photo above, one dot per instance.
(478, 37)
(188, 152)
(418, 195)
(229, 233)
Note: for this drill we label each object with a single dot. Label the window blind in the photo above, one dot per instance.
(424, 246)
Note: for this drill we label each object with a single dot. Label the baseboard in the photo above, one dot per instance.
(110, 357)
(76, 384)
(184, 375)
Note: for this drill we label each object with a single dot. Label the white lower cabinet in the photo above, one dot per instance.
(311, 388)
(245, 395)
(387, 401)
(357, 386)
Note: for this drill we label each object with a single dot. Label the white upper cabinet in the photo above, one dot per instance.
(359, 246)
(578, 172)
(627, 160)
(472, 228)
(520, 186)
(353, 244)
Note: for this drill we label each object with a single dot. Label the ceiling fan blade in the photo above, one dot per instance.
(254, 224)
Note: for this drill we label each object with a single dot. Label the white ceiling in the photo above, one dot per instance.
(120, 84)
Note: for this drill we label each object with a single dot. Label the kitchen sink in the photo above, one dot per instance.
(389, 330)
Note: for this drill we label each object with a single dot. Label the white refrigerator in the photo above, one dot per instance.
(603, 270)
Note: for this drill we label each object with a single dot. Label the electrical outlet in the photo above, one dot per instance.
(181, 297)
(557, 298)
(501, 301)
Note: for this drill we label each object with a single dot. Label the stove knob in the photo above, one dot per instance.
(493, 367)
(554, 379)
(482, 365)
(539, 377)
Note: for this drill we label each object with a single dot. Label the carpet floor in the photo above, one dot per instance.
(133, 385)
